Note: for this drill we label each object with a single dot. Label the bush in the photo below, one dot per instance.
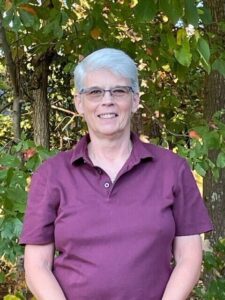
(17, 163)
(213, 285)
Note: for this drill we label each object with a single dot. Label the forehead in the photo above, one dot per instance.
(104, 78)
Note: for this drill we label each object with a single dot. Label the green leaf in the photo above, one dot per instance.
(212, 140)
(9, 161)
(11, 297)
(216, 173)
(58, 32)
(2, 277)
(145, 10)
(199, 169)
(183, 55)
(57, 4)
(69, 67)
(220, 162)
(172, 8)
(10, 228)
(16, 23)
(203, 49)
(64, 18)
(26, 18)
(3, 174)
(171, 40)
(8, 17)
(17, 197)
(49, 28)
(205, 15)
(191, 12)
(219, 65)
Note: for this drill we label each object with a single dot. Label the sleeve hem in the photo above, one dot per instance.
(24, 242)
(191, 231)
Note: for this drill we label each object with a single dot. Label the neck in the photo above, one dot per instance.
(110, 148)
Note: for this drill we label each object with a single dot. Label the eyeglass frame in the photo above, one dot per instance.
(87, 90)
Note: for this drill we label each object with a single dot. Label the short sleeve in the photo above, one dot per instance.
(41, 211)
(190, 213)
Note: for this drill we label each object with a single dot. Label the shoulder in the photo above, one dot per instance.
(56, 163)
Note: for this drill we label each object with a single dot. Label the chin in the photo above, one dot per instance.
(111, 132)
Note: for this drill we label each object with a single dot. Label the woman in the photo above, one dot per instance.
(116, 210)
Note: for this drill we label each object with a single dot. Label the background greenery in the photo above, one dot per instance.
(179, 47)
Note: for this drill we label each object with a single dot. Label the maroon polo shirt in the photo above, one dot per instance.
(114, 239)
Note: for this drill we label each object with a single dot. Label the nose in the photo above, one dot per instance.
(107, 98)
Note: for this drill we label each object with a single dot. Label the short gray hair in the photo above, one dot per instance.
(113, 60)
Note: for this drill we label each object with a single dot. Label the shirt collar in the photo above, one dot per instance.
(140, 150)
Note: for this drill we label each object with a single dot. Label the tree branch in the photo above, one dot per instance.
(3, 107)
(65, 110)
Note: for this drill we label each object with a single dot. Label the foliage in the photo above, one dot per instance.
(214, 274)
(205, 138)
(167, 41)
(174, 49)
(17, 163)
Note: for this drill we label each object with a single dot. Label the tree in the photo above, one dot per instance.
(176, 44)
(13, 71)
(214, 100)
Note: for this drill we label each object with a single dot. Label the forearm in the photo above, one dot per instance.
(182, 280)
(43, 284)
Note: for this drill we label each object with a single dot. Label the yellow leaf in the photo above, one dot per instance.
(11, 297)
(181, 34)
(95, 33)
(28, 8)
(8, 4)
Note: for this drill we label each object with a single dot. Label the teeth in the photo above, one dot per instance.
(107, 116)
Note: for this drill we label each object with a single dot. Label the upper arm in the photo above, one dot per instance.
(39, 256)
(188, 247)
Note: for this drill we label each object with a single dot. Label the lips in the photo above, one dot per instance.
(107, 116)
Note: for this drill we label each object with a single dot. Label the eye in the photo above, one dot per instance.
(95, 92)
(119, 91)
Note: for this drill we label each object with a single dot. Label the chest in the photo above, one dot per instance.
(134, 206)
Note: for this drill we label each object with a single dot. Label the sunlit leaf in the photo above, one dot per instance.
(11, 297)
(9, 160)
(183, 55)
(199, 169)
(8, 4)
(203, 49)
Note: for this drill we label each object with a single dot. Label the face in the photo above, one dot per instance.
(109, 115)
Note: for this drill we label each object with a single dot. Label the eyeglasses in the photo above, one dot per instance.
(97, 93)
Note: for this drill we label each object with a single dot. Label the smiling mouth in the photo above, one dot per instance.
(107, 116)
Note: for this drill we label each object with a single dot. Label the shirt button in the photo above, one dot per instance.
(106, 185)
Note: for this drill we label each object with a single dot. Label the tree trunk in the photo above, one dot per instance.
(214, 192)
(13, 73)
(41, 104)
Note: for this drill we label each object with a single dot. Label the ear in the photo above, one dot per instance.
(135, 103)
(78, 104)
